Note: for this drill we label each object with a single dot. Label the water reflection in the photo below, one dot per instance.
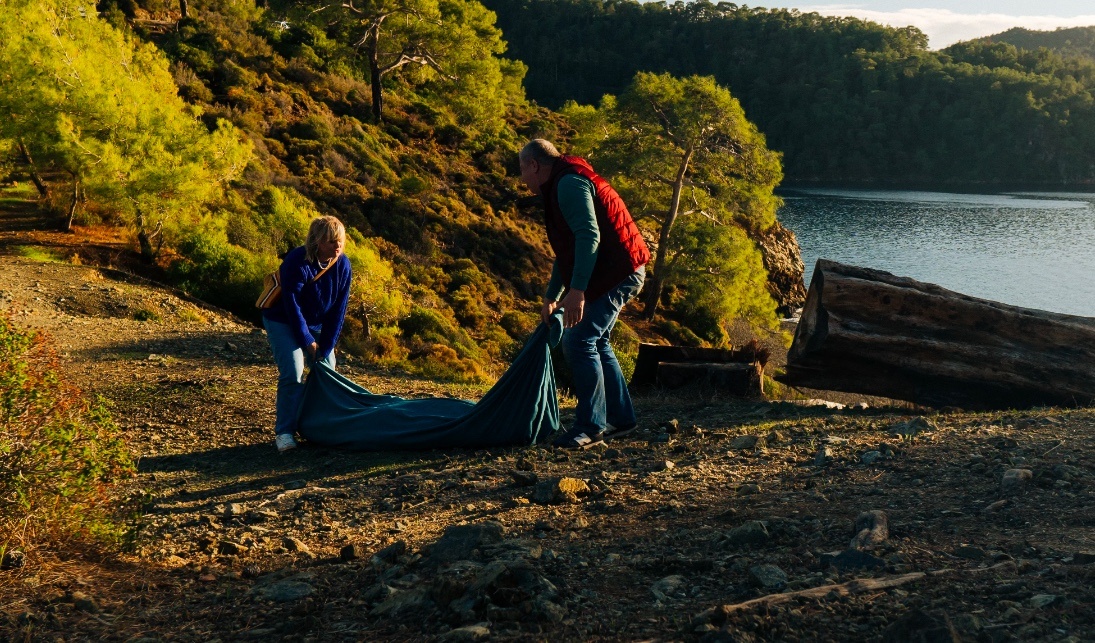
(1027, 249)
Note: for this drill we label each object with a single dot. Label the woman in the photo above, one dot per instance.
(306, 320)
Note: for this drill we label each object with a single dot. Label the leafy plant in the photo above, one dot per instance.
(60, 453)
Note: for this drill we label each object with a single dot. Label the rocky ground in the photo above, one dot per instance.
(720, 519)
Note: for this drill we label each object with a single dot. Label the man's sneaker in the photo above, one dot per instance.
(613, 432)
(578, 439)
(285, 442)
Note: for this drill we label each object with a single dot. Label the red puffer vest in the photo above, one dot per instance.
(622, 250)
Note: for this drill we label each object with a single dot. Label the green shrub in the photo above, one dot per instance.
(59, 452)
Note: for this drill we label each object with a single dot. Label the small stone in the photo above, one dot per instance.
(823, 457)
(479, 632)
(233, 509)
(252, 571)
(872, 529)
(751, 533)
(388, 555)
(670, 427)
(750, 489)
(561, 490)
(85, 603)
(1083, 558)
(969, 552)
(283, 591)
(661, 438)
(1015, 480)
(1067, 472)
(13, 559)
(871, 457)
(667, 586)
(852, 559)
(748, 443)
(913, 427)
(524, 478)
(996, 506)
(229, 548)
(774, 437)
(1040, 601)
(295, 544)
(768, 577)
(353, 551)
(294, 484)
(666, 465)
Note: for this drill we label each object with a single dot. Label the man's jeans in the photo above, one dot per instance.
(290, 360)
(598, 382)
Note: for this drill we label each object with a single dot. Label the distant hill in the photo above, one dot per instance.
(1072, 41)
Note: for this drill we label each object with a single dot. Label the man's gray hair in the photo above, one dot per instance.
(539, 150)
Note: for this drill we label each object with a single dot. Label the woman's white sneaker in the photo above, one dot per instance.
(285, 442)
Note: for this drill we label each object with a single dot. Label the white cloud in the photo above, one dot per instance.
(945, 27)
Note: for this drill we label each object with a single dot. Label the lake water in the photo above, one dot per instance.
(1031, 249)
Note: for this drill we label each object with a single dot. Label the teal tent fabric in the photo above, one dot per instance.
(520, 409)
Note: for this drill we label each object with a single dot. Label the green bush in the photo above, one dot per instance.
(59, 452)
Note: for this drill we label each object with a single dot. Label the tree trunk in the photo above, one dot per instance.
(654, 283)
(75, 202)
(144, 238)
(372, 48)
(867, 331)
(43, 189)
(184, 9)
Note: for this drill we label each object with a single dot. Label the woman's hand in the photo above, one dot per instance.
(312, 350)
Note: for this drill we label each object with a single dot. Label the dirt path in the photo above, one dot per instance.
(647, 540)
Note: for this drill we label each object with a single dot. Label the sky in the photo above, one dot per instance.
(948, 22)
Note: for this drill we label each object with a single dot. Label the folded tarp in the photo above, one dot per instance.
(520, 409)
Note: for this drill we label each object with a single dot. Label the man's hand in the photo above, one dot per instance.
(574, 305)
(548, 310)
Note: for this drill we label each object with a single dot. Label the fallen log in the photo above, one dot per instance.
(871, 332)
(742, 380)
(651, 355)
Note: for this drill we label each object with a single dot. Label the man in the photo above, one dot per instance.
(600, 260)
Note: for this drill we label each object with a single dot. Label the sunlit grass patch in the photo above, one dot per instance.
(191, 315)
(40, 254)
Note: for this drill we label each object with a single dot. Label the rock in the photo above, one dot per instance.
(13, 559)
(234, 509)
(823, 457)
(1040, 601)
(295, 544)
(294, 484)
(748, 443)
(872, 528)
(524, 478)
(996, 506)
(562, 490)
(913, 427)
(459, 541)
(870, 457)
(667, 586)
(1083, 558)
(252, 571)
(750, 489)
(388, 555)
(774, 437)
(851, 559)
(283, 591)
(670, 427)
(918, 626)
(411, 601)
(751, 533)
(666, 465)
(768, 577)
(661, 438)
(479, 632)
(261, 515)
(969, 552)
(1067, 472)
(1015, 480)
(229, 548)
(85, 603)
(354, 551)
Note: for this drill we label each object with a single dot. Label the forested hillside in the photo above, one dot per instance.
(210, 132)
(1067, 41)
(844, 100)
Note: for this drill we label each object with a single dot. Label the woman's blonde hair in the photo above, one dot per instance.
(322, 229)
